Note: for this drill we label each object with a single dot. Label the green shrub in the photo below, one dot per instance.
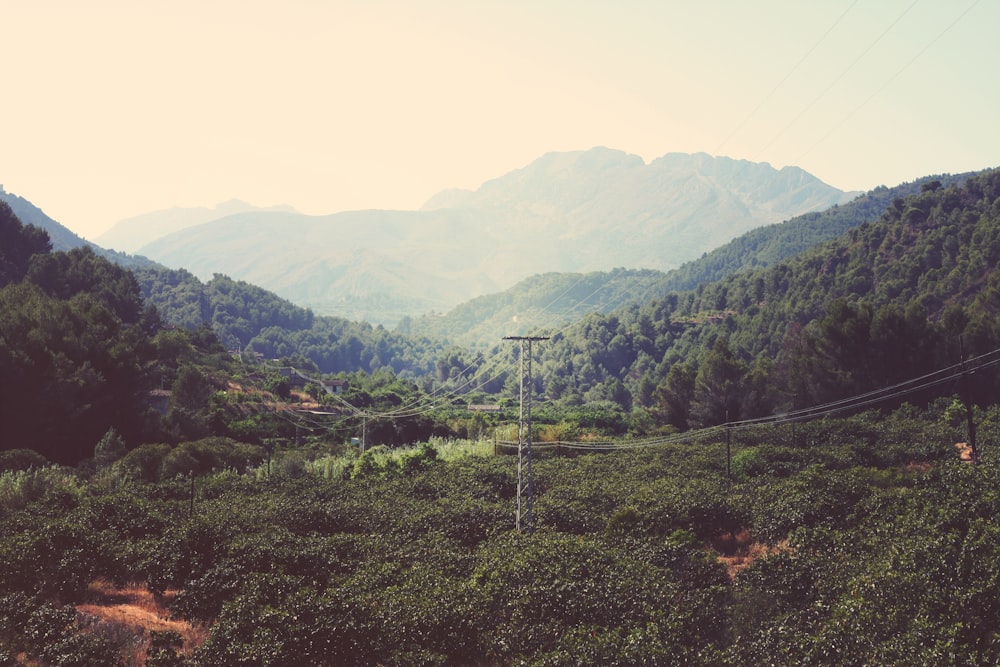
(21, 459)
(144, 462)
(53, 484)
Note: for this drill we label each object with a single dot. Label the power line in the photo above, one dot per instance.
(832, 408)
(836, 80)
(795, 67)
(888, 81)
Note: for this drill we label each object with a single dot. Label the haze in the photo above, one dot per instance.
(117, 108)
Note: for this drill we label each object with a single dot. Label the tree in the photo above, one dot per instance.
(18, 243)
(110, 448)
(718, 390)
(70, 369)
(674, 395)
(189, 397)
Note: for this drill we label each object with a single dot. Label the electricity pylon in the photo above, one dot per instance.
(525, 518)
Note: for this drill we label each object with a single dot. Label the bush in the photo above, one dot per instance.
(52, 484)
(144, 462)
(21, 459)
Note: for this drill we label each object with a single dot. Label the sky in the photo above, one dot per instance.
(114, 108)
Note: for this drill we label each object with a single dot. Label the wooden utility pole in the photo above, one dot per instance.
(967, 399)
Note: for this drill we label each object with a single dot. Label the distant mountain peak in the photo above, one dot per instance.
(574, 211)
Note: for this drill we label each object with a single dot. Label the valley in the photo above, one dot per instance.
(752, 470)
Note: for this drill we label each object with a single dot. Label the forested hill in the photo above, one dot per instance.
(241, 314)
(889, 300)
(60, 237)
(76, 352)
(546, 300)
(770, 244)
(553, 300)
(248, 317)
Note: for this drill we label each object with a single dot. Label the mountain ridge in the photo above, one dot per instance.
(576, 211)
(130, 234)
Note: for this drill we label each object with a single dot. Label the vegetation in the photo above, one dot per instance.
(283, 514)
(885, 302)
(772, 244)
(246, 317)
(839, 541)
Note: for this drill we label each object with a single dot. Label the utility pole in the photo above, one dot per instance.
(967, 399)
(729, 452)
(525, 518)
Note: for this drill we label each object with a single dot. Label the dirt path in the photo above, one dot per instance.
(135, 611)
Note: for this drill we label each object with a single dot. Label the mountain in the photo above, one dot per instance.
(545, 302)
(565, 212)
(771, 244)
(591, 204)
(130, 234)
(376, 266)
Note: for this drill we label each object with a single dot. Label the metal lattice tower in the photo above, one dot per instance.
(525, 518)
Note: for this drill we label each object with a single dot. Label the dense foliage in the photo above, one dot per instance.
(847, 542)
(772, 244)
(247, 317)
(225, 483)
(74, 342)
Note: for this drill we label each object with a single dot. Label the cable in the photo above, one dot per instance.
(835, 81)
(887, 82)
(885, 394)
(786, 77)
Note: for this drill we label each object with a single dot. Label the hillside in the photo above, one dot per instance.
(887, 301)
(245, 316)
(536, 303)
(566, 212)
(768, 245)
(375, 266)
(247, 518)
(61, 237)
(131, 234)
(551, 301)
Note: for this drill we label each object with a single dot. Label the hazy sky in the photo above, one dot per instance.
(114, 108)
